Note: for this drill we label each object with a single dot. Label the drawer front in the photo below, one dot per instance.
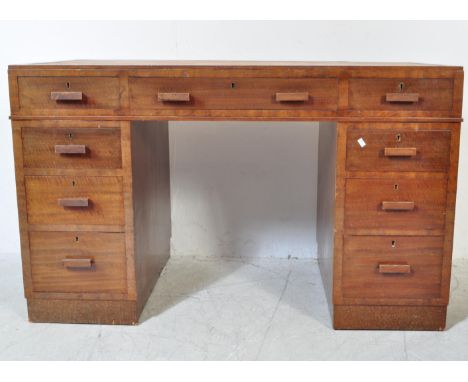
(71, 148)
(78, 262)
(68, 93)
(397, 149)
(386, 94)
(74, 200)
(392, 266)
(219, 93)
(396, 203)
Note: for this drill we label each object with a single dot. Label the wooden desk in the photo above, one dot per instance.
(94, 197)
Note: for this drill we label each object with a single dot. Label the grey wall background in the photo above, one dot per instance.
(238, 189)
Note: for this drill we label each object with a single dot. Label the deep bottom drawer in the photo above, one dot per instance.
(78, 262)
(392, 266)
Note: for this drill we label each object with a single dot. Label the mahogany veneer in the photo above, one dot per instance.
(93, 182)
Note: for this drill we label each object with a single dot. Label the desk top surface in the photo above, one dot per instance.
(244, 64)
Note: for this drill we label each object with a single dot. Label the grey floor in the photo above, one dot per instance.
(227, 309)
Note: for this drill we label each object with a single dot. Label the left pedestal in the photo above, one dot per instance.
(94, 212)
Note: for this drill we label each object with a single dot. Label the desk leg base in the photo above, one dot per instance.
(389, 317)
(83, 311)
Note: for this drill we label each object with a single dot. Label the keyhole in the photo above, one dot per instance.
(70, 135)
(398, 137)
(77, 239)
(68, 85)
(393, 243)
(233, 85)
(73, 183)
(401, 86)
(395, 186)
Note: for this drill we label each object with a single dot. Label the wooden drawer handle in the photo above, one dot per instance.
(73, 202)
(173, 97)
(394, 268)
(292, 97)
(402, 97)
(66, 96)
(77, 263)
(400, 151)
(398, 206)
(70, 149)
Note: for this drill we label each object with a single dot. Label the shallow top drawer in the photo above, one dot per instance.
(241, 94)
(68, 93)
(71, 147)
(398, 95)
(398, 148)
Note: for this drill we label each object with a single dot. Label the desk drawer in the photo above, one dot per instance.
(399, 148)
(74, 200)
(407, 94)
(392, 266)
(78, 262)
(241, 94)
(68, 93)
(396, 203)
(71, 148)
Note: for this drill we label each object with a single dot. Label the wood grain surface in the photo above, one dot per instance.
(105, 196)
(107, 251)
(430, 141)
(102, 148)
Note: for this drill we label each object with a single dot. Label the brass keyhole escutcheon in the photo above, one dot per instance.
(395, 186)
(68, 85)
(393, 243)
(398, 137)
(401, 86)
(70, 136)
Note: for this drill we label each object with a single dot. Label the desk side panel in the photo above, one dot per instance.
(151, 204)
(326, 205)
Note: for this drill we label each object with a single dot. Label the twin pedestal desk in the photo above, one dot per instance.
(94, 189)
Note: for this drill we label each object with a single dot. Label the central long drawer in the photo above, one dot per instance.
(159, 93)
